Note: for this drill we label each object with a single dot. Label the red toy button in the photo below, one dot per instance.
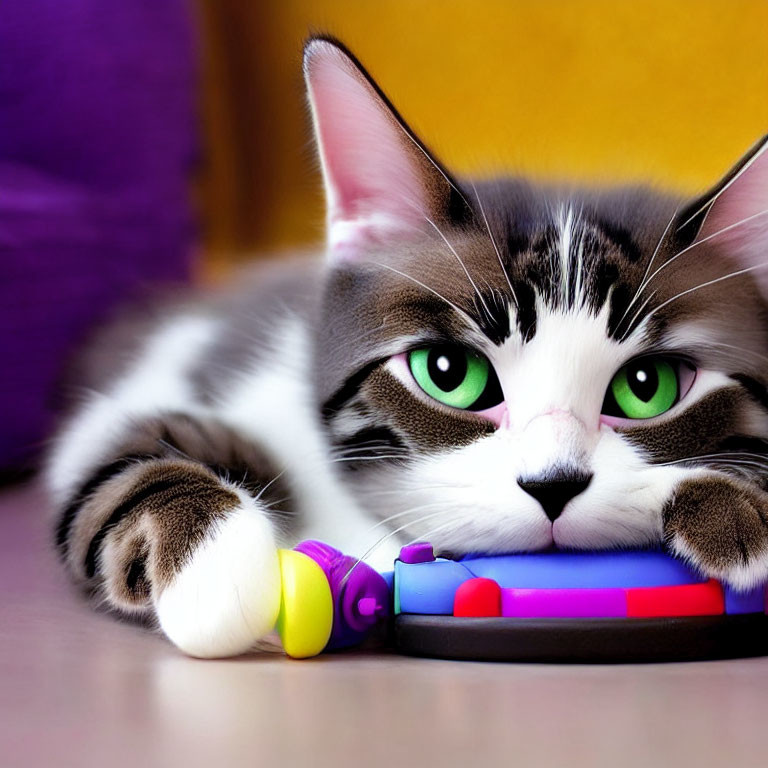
(682, 600)
(477, 597)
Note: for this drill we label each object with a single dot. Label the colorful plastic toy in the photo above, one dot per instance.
(553, 606)
(328, 599)
(598, 606)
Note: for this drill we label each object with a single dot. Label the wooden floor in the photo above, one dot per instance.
(79, 689)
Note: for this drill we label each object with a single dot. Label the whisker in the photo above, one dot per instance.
(565, 219)
(401, 491)
(431, 290)
(389, 535)
(175, 449)
(737, 457)
(741, 350)
(428, 534)
(369, 453)
(703, 240)
(712, 200)
(493, 242)
(746, 469)
(580, 260)
(734, 463)
(426, 154)
(463, 266)
(410, 511)
(273, 504)
(641, 286)
(705, 285)
(366, 458)
(631, 324)
(372, 443)
(374, 449)
(273, 480)
(715, 455)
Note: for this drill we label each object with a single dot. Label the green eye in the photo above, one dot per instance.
(455, 376)
(643, 389)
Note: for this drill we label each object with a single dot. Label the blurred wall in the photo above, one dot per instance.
(671, 92)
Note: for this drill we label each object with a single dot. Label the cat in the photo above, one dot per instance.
(492, 366)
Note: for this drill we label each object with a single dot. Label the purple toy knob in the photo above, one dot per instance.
(360, 594)
(368, 606)
(420, 552)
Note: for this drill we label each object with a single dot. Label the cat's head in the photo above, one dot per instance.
(504, 366)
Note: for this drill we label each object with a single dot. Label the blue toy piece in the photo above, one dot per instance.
(583, 570)
(428, 590)
(571, 606)
(745, 602)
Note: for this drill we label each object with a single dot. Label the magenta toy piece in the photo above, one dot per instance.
(360, 594)
(538, 603)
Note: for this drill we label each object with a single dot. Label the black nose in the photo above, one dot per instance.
(555, 492)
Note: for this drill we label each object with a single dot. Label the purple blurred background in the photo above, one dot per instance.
(98, 144)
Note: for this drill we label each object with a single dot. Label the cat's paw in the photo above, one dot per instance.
(720, 526)
(226, 596)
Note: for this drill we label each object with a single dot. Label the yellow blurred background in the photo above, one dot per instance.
(592, 90)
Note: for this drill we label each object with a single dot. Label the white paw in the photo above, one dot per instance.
(228, 596)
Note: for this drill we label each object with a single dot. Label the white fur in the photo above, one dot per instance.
(566, 366)
(228, 596)
(468, 499)
(566, 228)
(155, 381)
(348, 423)
(622, 505)
(272, 403)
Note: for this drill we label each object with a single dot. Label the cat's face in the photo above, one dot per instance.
(503, 367)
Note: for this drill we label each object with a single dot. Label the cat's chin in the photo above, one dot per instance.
(571, 539)
(537, 538)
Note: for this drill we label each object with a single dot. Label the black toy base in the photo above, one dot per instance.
(688, 638)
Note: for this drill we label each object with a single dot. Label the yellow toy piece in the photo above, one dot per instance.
(306, 605)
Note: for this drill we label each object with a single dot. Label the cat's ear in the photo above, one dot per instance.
(734, 215)
(380, 181)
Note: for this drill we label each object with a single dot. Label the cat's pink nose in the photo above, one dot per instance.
(555, 491)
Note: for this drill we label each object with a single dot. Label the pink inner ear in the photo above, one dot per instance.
(373, 183)
(738, 218)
